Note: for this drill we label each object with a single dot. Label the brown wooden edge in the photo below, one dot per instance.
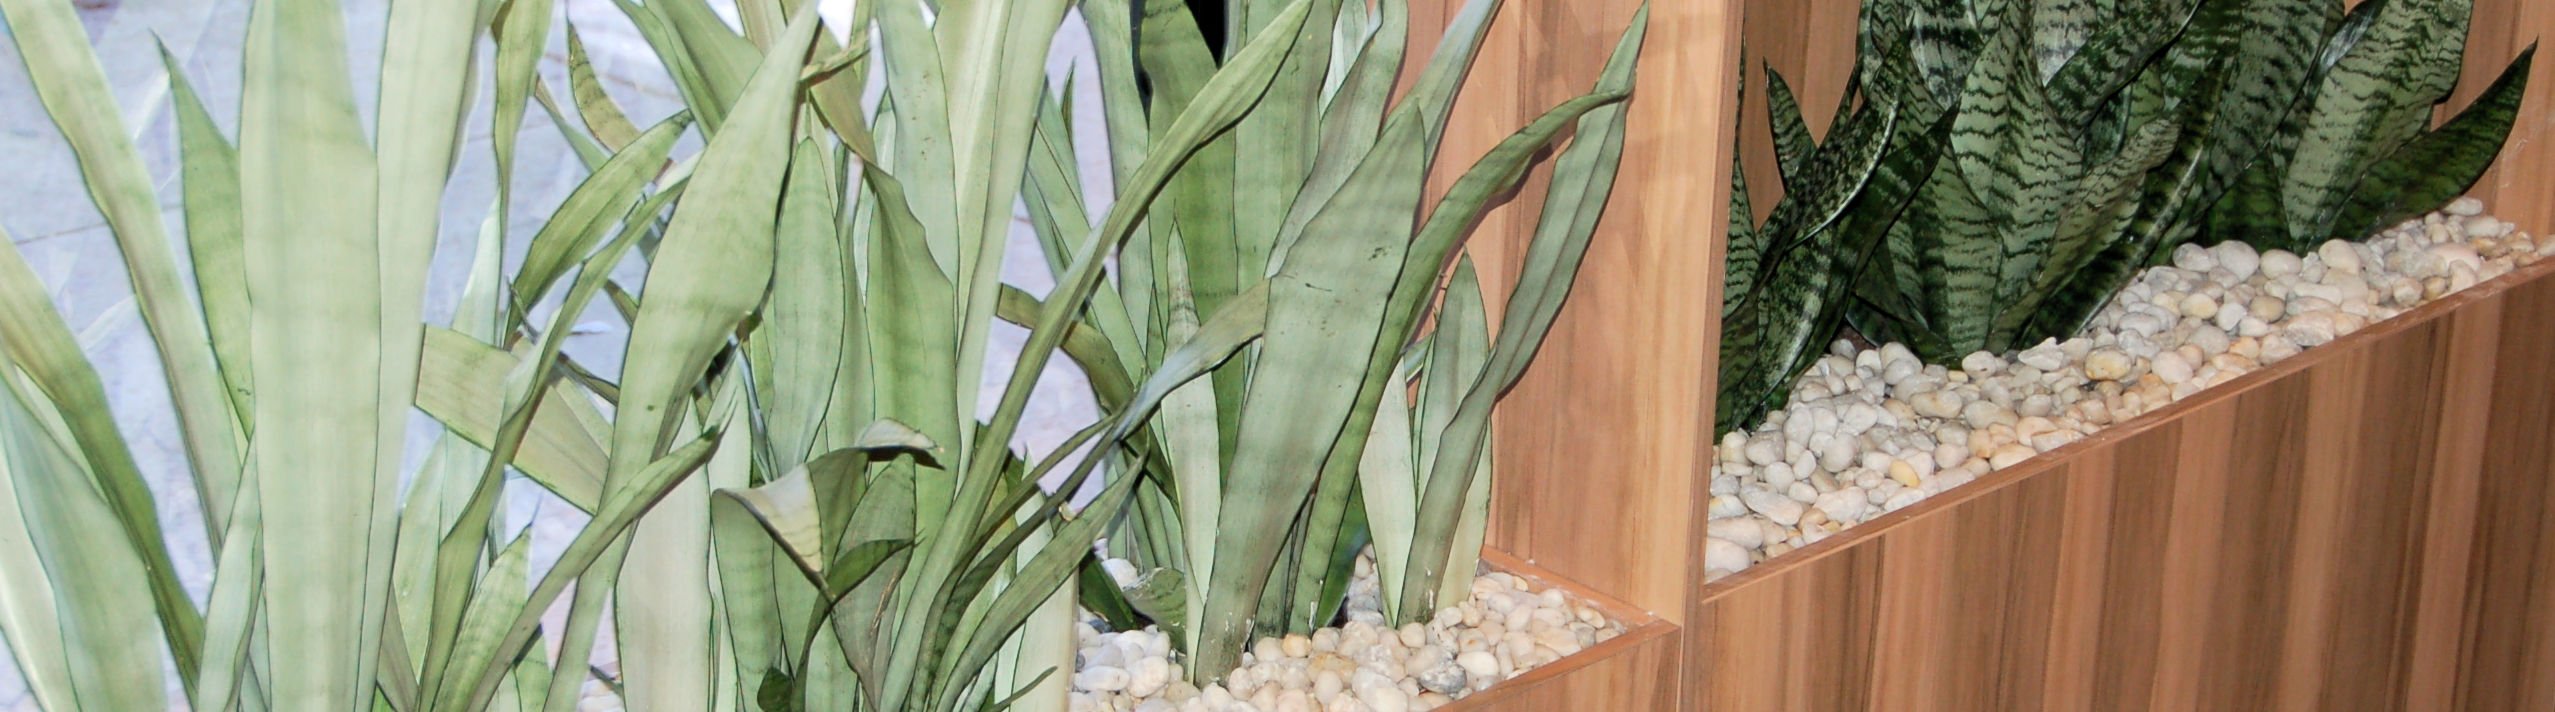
(2056, 460)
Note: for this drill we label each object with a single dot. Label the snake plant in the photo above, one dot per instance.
(2055, 147)
(1302, 245)
(792, 505)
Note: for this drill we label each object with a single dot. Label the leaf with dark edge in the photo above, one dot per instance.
(602, 115)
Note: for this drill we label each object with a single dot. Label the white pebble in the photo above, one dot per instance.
(2194, 257)
(2108, 364)
(1148, 677)
(2340, 255)
(1783, 510)
(1845, 505)
(2236, 258)
(2280, 264)
(2452, 254)
(2170, 367)
(1724, 554)
(1101, 679)
(1736, 530)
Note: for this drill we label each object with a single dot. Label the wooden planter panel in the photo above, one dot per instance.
(2363, 527)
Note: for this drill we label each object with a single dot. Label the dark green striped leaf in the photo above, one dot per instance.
(2437, 166)
(1792, 141)
(2377, 97)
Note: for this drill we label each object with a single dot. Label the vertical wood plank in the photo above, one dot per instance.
(1615, 415)
(2076, 616)
(2192, 555)
(2141, 561)
(2336, 395)
(2438, 623)
(1914, 659)
(2506, 663)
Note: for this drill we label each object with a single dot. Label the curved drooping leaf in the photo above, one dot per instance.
(600, 200)
(602, 116)
(2437, 166)
(463, 388)
(1583, 177)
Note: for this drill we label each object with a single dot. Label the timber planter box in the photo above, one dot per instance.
(2358, 527)
(2362, 526)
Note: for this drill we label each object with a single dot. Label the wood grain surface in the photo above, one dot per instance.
(2362, 527)
(1596, 447)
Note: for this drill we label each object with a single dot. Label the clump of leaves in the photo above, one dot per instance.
(790, 508)
(2357, 154)
(1302, 246)
(2086, 140)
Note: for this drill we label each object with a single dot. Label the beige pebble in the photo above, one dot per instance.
(2199, 306)
(2011, 455)
(1903, 473)
(2172, 367)
(1297, 645)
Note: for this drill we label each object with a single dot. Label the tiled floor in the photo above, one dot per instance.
(47, 213)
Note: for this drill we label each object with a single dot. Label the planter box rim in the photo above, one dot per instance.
(1774, 568)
